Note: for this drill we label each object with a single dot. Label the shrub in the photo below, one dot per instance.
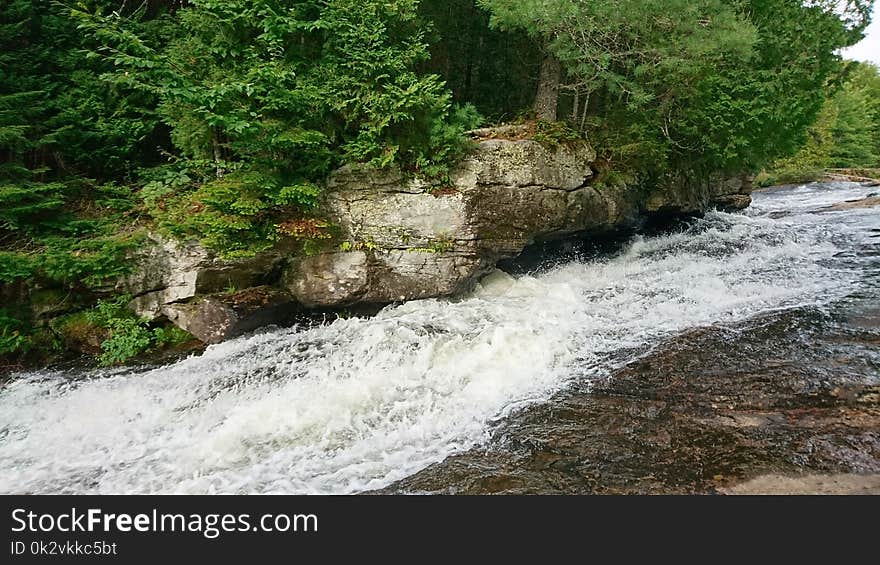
(15, 336)
(129, 336)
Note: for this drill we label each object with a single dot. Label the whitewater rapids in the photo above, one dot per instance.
(358, 404)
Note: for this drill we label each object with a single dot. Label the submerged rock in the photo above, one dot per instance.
(870, 202)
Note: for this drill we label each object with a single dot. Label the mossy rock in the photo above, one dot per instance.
(78, 334)
(49, 303)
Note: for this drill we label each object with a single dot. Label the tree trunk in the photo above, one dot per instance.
(585, 113)
(547, 98)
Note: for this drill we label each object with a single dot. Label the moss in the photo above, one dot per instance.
(555, 134)
(15, 334)
(50, 302)
(114, 335)
(48, 298)
(403, 234)
(77, 332)
(46, 342)
(442, 245)
(366, 245)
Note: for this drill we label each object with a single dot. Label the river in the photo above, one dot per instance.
(476, 395)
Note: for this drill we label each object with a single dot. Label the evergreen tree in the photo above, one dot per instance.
(694, 87)
(63, 135)
(854, 128)
(264, 97)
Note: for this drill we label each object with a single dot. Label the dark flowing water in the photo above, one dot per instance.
(744, 344)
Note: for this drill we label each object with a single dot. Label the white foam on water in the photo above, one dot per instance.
(360, 403)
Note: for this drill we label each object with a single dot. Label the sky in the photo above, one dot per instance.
(869, 48)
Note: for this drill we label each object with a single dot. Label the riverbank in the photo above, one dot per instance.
(788, 403)
(869, 177)
(735, 347)
(388, 237)
(772, 407)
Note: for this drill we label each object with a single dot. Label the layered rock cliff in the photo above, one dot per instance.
(402, 239)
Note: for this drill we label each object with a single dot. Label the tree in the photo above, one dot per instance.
(67, 139)
(769, 101)
(494, 70)
(695, 87)
(609, 44)
(263, 98)
(63, 136)
(863, 86)
(854, 128)
(539, 20)
(845, 134)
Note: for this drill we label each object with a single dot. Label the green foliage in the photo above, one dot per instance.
(15, 335)
(263, 99)
(171, 336)
(556, 133)
(759, 109)
(446, 144)
(854, 130)
(846, 134)
(88, 257)
(676, 85)
(624, 45)
(808, 164)
(129, 336)
(239, 213)
(19, 337)
(367, 78)
(442, 245)
(128, 339)
(15, 266)
(60, 128)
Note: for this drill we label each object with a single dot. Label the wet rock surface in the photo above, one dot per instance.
(216, 318)
(808, 484)
(789, 404)
(732, 202)
(870, 202)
